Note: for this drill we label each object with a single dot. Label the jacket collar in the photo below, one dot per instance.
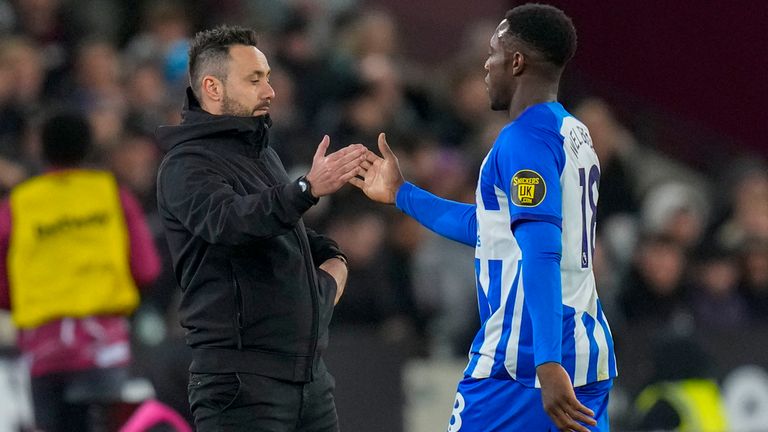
(196, 123)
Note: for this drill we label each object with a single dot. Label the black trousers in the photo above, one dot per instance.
(233, 402)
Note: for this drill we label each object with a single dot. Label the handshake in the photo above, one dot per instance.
(379, 177)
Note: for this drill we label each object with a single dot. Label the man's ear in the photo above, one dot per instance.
(517, 63)
(212, 88)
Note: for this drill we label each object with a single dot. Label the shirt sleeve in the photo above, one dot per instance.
(529, 164)
(530, 160)
(196, 193)
(144, 258)
(451, 219)
(322, 247)
(541, 243)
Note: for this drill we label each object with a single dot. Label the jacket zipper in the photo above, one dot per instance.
(312, 281)
(239, 309)
(315, 306)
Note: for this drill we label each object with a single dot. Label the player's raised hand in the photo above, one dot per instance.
(330, 172)
(560, 401)
(380, 177)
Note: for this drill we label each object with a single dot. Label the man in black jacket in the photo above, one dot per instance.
(258, 287)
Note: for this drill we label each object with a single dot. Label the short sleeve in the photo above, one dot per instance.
(529, 163)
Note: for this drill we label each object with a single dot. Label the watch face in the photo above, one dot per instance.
(303, 185)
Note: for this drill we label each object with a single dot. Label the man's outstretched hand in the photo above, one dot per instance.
(330, 172)
(560, 401)
(380, 177)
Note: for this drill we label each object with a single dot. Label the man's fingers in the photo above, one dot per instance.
(366, 165)
(579, 412)
(578, 406)
(347, 153)
(335, 160)
(565, 421)
(579, 416)
(577, 427)
(372, 158)
(386, 152)
(345, 165)
(560, 418)
(583, 414)
(323, 147)
(346, 176)
(352, 166)
(571, 423)
(356, 182)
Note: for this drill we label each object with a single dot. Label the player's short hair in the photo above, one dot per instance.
(546, 29)
(66, 139)
(209, 52)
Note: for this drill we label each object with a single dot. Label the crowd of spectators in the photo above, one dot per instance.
(675, 246)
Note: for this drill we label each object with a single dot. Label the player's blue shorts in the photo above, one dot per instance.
(494, 405)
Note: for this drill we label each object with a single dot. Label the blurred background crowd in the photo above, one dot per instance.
(682, 229)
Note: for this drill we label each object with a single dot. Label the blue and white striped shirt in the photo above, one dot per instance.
(541, 168)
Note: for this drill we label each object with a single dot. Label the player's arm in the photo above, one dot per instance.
(451, 219)
(530, 177)
(382, 181)
(541, 245)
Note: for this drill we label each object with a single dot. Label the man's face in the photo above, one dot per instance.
(247, 92)
(497, 80)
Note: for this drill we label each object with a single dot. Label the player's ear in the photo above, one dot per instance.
(516, 63)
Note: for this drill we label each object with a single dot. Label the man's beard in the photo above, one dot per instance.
(231, 107)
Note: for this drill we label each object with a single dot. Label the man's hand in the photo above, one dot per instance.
(560, 401)
(380, 177)
(338, 269)
(329, 173)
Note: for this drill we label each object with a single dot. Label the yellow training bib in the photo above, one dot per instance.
(69, 251)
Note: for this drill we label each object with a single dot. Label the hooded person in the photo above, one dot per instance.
(258, 287)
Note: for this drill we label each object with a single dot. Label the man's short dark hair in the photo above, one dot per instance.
(66, 139)
(545, 28)
(209, 52)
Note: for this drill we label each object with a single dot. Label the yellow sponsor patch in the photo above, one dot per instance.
(528, 188)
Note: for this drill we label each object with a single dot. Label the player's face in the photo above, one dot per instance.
(496, 78)
(247, 91)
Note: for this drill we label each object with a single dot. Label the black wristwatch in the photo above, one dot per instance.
(305, 187)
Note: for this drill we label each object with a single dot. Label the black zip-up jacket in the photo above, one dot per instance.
(253, 299)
